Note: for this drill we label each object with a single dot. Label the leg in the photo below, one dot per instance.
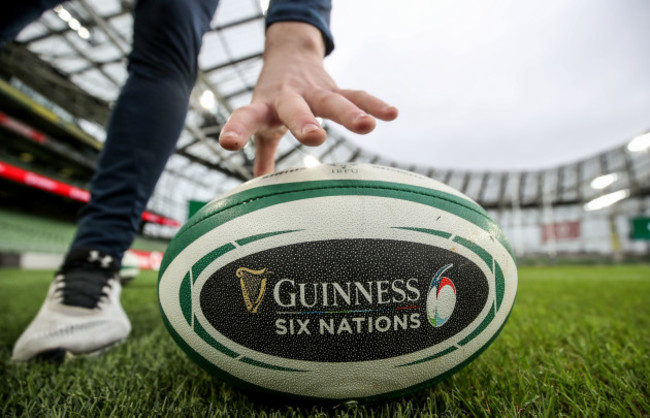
(17, 15)
(82, 312)
(146, 122)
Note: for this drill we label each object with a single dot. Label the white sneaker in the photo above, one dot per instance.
(81, 313)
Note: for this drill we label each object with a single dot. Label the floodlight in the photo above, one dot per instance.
(63, 13)
(607, 200)
(311, 161)
(74, 24)
(207, 100)
(640, 143)
(83, 33)
(603, 181)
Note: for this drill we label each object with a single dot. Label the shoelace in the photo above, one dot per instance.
(85, 280)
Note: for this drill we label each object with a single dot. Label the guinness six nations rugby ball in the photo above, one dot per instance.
(349, 281)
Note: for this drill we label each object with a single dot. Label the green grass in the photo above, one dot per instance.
(576, 344)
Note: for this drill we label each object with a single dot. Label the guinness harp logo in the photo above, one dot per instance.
(253, 286)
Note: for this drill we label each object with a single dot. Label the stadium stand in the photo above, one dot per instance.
(584, 208)
(46, 238)
(29, 233)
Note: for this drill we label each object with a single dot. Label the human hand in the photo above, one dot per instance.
(294, 88)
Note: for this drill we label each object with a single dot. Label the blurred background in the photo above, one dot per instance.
(538, 111)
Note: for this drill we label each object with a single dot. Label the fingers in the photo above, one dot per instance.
(339, 109)
(265, 156)
(242, 124)
(266, 144)
(296, 114)
(352, 108)
(371, 104)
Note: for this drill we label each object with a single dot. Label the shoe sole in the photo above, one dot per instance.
(61, 355)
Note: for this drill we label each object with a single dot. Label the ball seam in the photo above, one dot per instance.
(198, 221)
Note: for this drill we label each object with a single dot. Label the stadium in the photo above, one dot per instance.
(576, 343)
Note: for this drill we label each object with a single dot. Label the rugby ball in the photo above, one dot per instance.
(337, 282)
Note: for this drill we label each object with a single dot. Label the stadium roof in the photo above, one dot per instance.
(74, 58)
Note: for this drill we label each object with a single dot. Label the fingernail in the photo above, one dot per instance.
(229, 134)
(309, 128)
(359, 117)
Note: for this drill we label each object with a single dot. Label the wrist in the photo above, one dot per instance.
(294, 37)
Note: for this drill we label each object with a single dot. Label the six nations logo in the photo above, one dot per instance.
(441, 299)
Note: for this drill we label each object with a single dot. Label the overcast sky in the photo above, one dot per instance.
(497, 84)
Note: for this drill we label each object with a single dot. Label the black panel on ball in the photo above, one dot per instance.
(340, 300)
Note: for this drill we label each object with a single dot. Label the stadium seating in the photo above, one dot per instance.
(28, 233)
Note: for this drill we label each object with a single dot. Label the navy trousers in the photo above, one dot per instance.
(147, 118)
